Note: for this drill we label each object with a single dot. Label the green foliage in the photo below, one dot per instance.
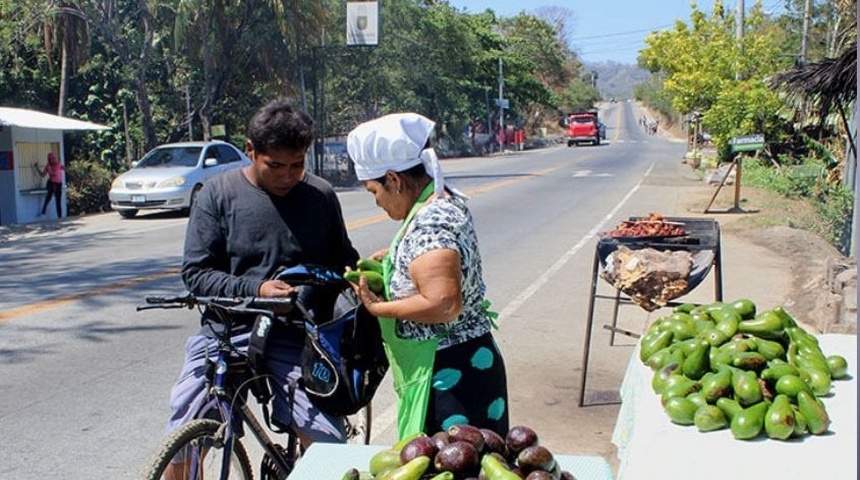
(834, 203)
(87, 185)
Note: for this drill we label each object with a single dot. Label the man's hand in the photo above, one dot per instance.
(276, 288)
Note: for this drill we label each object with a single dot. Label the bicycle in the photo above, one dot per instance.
(202, 443)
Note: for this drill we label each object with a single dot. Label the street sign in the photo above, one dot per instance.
(503, 103)
(747, 143)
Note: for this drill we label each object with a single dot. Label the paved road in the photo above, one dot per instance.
(84, 379)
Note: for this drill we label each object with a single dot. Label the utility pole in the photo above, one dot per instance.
(807, 16)
(501, 104)
(739, 33)
(188, 112)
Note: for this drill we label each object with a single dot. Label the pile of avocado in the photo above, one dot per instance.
(724, 365)
(464, 451)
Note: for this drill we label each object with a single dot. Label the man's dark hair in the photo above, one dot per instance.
(281, 125)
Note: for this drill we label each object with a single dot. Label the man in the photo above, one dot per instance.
(247, 223)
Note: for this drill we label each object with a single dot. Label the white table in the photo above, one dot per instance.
(650, 446)
(328, 461)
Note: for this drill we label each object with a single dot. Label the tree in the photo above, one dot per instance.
(705, 69)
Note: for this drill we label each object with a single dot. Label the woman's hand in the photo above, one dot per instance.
(370, 300)
(379, 254)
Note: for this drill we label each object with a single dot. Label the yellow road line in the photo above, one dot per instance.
(45, 305)
(476, 191)
(620, 111)
(40, 306)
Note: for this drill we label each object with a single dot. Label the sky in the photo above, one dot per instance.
(611, 30)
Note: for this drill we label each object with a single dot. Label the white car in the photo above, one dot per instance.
(169, 176)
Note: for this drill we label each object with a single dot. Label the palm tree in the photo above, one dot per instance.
(70, 25)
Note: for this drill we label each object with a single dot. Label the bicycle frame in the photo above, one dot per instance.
(228, 383)
(226, 402)
(232, 407)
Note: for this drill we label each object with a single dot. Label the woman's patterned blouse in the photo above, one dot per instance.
(443, 223)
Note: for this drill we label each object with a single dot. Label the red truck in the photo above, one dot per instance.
(584, 127)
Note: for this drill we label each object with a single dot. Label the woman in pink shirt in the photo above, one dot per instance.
(54, 171)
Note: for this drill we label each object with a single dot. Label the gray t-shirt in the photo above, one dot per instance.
(238, 235)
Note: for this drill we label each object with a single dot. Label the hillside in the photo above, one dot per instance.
(617, 79)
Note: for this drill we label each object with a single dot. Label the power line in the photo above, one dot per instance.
(660, 27)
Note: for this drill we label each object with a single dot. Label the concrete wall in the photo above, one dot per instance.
(23, 206)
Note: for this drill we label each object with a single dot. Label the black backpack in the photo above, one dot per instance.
(343, 359)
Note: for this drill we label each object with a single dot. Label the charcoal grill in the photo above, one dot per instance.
(702, 240)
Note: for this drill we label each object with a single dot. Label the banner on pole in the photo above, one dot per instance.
(362, 23)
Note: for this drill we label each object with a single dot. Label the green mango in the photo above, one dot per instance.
(709, 418)
(753, 361)
(701, 325)
(817, 420)
(766, 325)
(682, 327)
(443, 476)
(660, 358)
(787, 320)
(748, 423)
(696, 362)
(374, 280)
(769, 349)
(838, 366)
(384, 460)
(746, 387)
(744, 307)
(720, 358)
(369, 264)
(711, 307)
(729, 406)
(714, 337)
(810, 359)
(411, 470)
(791, 385)
(680, 410)
(779, 418)
(658, 381)
(351, 474)
(799, 422)
(728, 325)
(818, 380)
(776, 369)
(678, 386)
(494, 469)
(698, 399)
(724, 313)
(685, 307)
(650, 344)
(738, 344)
(717, 385)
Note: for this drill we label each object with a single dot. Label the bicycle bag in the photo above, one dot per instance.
(343, 359)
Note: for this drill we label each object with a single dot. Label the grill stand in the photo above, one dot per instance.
(712, 242)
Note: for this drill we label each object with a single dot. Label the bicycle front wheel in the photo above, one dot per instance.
(195, 451)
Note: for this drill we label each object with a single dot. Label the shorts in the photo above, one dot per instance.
(283, 361)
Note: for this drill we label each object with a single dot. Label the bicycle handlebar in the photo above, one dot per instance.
(258, 305)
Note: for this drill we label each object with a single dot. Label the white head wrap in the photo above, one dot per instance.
(394, 142)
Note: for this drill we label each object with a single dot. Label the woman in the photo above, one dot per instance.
(447, 368)
(54, 171)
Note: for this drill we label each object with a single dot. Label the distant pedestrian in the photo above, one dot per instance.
(54, 171)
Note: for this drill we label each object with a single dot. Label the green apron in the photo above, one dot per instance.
(410, 361)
